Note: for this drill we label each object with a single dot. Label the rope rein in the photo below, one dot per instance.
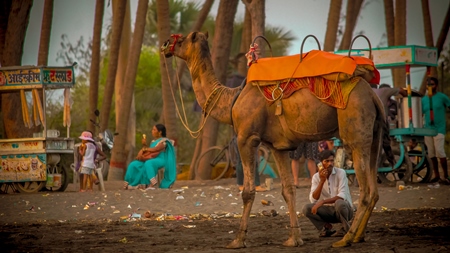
(217, 90)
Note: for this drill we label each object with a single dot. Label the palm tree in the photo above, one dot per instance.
(220, 59)
(352, 14)
(400, 39)
(258, 17)
(45, 33)
(119, 154)
(169, 114)
(116, 170)
(332, 25)
(118, 18)
(17, 18)
(95, 62)
(440, 41)
(389, 16)
(120, 83)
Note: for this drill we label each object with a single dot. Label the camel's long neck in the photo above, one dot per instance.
(212, 96)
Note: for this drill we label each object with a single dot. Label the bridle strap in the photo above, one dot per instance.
(175, 39)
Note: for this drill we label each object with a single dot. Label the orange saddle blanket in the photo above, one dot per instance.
(314, 63)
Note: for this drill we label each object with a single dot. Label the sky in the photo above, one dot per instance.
(301, 17)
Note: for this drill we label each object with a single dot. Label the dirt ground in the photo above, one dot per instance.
(204, 217)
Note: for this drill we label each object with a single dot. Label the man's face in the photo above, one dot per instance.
(328, 163)
(433, 86)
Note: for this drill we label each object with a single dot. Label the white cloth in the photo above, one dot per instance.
(335, 185)
(89, 156)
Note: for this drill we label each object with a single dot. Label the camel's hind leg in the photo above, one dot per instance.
(288, 191)
(365, 146)
(247, 151)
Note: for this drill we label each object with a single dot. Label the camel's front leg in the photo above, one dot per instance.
(247, 153)
(248, 197)
(288, 191)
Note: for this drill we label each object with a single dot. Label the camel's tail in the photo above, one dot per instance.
(381, 118)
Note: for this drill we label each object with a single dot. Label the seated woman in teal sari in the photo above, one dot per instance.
(142, 174)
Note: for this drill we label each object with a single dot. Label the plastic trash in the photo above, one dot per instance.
(179, 197)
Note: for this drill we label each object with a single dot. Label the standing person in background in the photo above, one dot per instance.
(309, 150)
(88, 151)
(435, 144)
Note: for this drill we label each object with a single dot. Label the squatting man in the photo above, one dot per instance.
(330, 198)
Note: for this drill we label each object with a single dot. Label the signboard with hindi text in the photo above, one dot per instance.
(31, 77)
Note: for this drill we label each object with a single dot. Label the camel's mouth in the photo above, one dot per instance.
(165, 48)
(168, 48)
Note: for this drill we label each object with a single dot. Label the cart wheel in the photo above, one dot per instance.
(60, 169)
(7, 188)
(421, 173)
(403, 172)
(29, 187)
(217, 159)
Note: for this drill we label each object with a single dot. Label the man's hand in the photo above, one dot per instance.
(316, 206)
(323, 174)
(403, 92)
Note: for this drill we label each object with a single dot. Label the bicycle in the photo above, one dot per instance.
(220, 159)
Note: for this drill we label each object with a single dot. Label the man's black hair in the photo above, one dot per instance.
(325, 154)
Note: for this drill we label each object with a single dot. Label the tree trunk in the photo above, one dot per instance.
(196, 27)
(220, 58)
(95, 62)
(332, 25)
(389, 16)
(5, 7)
(119, 156)
(12, 56)
(118, 17)
(400, 39)
(169, 113)
(353, 9)
(120, 83)
(258, 15)
(439, 45)
(246, 40)
(45, 33)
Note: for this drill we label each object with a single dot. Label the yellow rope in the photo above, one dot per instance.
(184, 121)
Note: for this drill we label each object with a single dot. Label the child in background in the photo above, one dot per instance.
(88, 151)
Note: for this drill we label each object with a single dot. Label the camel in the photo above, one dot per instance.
(360, 125)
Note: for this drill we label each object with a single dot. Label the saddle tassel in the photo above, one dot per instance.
(279, 108)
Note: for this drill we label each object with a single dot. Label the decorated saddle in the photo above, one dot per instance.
(330, 77)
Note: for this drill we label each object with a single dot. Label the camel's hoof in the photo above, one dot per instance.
(358, 239)
(236, 244)
(293, 242)
(341, 243)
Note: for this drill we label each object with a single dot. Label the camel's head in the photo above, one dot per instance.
(196, 43)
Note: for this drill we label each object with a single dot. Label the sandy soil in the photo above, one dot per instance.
(203, 217)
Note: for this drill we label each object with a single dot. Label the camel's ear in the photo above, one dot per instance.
(206, 34)
(194, 36)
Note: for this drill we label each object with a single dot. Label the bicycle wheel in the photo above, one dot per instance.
(403, 172)
(422, 172)
(216, 160)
